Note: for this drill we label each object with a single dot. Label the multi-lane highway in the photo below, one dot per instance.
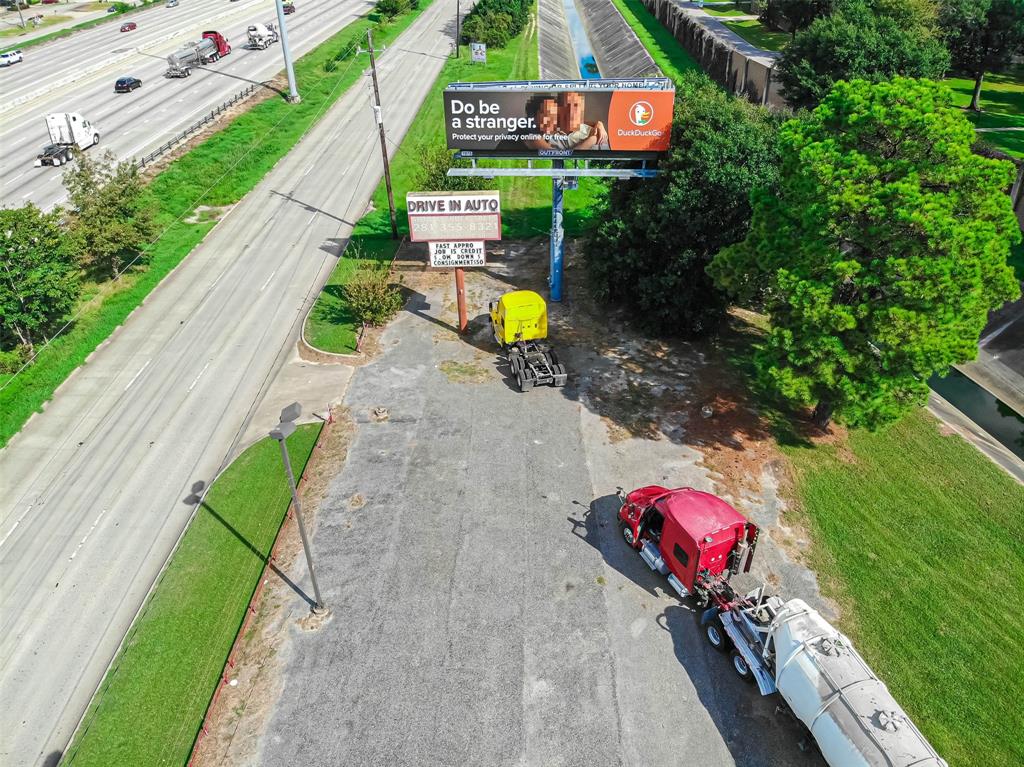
(77, 74)
(93, 487)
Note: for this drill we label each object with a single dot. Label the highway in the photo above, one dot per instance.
(94, 485)
(77, 74)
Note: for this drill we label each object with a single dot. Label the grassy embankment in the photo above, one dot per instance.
(1002, 104)
(151, 704)
(525, 203)
(914, 536)
(48, 21)
(666, 51)
(218, 172)
(756, 33)
(725, 10)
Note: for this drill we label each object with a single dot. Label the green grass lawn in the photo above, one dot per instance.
(151, 704)
(238, 157)
(671, 58)
(756, 33)
(917, 537)
(525, 203)
(1002, 104)
(725, 10)
(48, 21)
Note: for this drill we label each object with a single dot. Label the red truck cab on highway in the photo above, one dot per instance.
(223, 46)
(695, 538)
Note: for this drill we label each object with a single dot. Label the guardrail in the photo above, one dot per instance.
(194, 127)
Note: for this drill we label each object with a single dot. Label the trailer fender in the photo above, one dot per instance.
(709, 615)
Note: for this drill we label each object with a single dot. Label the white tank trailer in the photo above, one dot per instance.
(181, 62)
(790, 648)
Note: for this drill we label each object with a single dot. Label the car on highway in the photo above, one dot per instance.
(288, 8)
(129, 26)
(111, 9)
(127, 84)
(9, 58)
(171, 4)
(50, 2)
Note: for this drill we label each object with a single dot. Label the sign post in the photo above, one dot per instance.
(455, 225)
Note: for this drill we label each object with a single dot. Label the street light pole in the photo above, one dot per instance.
(458, 26)
(378, 114)
(293, 91)
(281, 434)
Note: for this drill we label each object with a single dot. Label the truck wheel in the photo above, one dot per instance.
(95, 139)
(57, 160)
(714, 632)
(739, 665)
(627, 534)
(525, 380)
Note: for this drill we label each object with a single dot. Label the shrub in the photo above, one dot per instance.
(435, 160)
(11, 361)
(391, 8)
(371, 296)
(495, 22)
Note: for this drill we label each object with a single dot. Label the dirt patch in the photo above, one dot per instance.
(464, 372)
(254, 674)
(208, 214)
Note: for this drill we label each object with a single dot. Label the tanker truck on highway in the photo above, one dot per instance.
(68, 131)
(699, 542)
(210, 48)
(262, 36)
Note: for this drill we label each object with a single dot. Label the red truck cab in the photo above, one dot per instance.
(223, 46)
(695, 538)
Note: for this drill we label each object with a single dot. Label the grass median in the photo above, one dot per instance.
(915, 536)
(218, 172)
(525, 202)
(671, 58)
(151, 704)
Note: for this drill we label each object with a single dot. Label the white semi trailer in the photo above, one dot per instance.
(68, 131)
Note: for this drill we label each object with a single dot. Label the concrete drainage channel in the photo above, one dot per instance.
(589, 39)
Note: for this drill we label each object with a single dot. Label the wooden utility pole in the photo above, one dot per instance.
(377, 113)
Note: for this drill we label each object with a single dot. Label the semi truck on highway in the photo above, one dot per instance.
(699, 542)
(210, 48)
(68, 131)
(262, 36)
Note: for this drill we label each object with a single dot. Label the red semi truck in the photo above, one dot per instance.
(699, 542)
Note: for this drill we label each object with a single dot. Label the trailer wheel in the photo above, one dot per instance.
(739, 665)
(526, 380)
(627, 533)
(714, 632)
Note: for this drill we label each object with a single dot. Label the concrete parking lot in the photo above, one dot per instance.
(484, 609)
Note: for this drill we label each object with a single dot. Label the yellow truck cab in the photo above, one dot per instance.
(520, 315)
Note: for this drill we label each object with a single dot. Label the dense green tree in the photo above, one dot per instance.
(799, 13)
(880, 255)
(109, 211)
(656, 236)
(39, 283)
(434, 162)
(858, 40)
(983, 36)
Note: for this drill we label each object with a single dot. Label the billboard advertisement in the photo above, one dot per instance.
(571, 118)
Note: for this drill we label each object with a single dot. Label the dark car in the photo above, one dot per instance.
(129, 26)
(288, 8)
(127, 84)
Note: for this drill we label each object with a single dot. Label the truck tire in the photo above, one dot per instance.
(714, 632)
(95, 139)
(627, 534)
(740, 667)
(56, 160)
(526, 380)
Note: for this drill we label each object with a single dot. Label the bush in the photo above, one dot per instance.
(11, 361)
(495, 22)
(655, 237)
(435, 160)
(370, 294)
(391, 8)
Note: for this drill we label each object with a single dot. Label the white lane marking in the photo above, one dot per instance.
(268, 280)
(998, 331)
(26, 195)
(312, 218)
(15, 525)
(82, 542)
(193, 385)
(17, 177)
(309, 168)
(137, 375)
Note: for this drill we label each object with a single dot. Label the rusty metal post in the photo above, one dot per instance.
(460, 292)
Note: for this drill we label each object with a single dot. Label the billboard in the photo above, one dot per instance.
(454, 216)
(569, 118)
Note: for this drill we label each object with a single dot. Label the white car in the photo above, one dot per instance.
(11, 57)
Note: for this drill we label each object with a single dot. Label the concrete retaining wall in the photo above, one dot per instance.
(617, 49)
(557, 57)
(729, 60)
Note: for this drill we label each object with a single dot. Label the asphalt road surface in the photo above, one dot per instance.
(94, 486)
(77, 74)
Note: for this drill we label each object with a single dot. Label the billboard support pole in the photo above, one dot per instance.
(557, 234)
(460, 292)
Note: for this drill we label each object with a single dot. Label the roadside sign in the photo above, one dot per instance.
(454, 216)
(479, 52)
(457, 254)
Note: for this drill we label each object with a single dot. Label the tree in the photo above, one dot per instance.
(856, 41)
(983, 36)
(880, 255)
(39, 283)
(434, 162)
(109, 211)
(800, 13)
(654, 237)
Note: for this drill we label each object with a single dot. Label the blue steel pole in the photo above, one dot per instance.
(557, 235)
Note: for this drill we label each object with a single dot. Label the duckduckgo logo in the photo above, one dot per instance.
(641, 113)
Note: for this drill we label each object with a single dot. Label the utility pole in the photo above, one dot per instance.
(17, 4)
(458, 26)
(379, 115)
(293, 92)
